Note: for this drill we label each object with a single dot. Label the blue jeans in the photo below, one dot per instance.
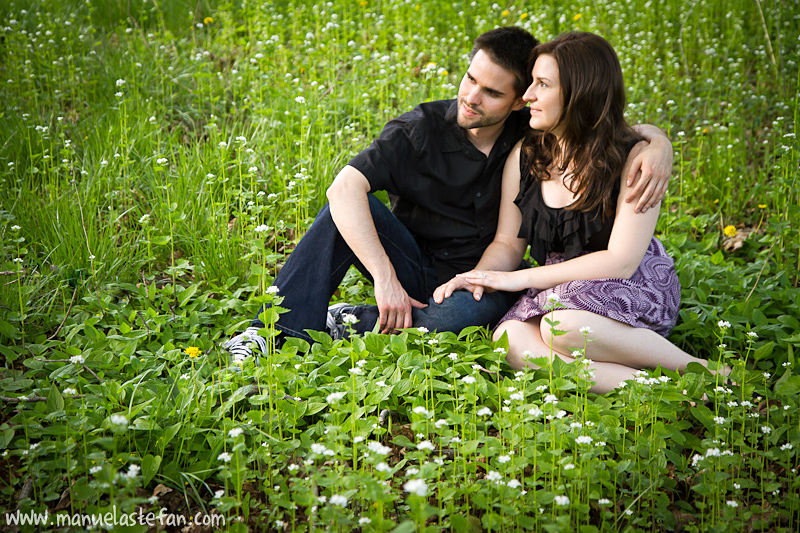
(319, 262)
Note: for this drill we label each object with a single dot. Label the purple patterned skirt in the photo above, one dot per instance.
(649, 299)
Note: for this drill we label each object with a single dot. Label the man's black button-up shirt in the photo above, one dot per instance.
(441, 187)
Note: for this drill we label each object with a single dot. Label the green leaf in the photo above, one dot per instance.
(55, 402)
(406, 527)
(788, 386)
(764, 351)
(8, 330)
(150, 465)
(186, 294)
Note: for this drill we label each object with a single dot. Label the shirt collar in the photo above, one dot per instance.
(455, 137)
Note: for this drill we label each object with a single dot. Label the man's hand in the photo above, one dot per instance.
(650, 169)
(394, 305)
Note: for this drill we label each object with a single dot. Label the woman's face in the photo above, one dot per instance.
(544, 95)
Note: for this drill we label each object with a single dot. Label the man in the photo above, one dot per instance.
(441, 164)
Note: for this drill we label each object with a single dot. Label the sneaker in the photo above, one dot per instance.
(334, 323)
(241, 346)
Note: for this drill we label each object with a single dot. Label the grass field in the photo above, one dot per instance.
(160, 159)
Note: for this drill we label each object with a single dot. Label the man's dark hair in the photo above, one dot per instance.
(509, 47)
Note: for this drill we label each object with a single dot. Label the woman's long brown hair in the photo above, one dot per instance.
(596, 138)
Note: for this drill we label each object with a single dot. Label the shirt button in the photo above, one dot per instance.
(478, 195)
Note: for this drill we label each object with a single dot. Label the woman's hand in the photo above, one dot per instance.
(446, 289)
(497, 280)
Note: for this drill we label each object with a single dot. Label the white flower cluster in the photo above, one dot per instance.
(321, 449)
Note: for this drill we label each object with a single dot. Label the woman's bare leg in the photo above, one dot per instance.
(615, 342)
(526, 337)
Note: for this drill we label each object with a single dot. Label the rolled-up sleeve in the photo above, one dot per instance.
(388, 158)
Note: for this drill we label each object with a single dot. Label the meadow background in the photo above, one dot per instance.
(158, 161)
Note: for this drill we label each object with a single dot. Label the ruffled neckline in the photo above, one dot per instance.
(551, 229)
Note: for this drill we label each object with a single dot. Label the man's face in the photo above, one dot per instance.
(486, 95)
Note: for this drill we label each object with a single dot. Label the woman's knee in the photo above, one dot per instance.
(565, 333)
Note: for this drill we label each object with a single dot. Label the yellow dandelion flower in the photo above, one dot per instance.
(762, 206)
(208, 20)
(505, 12)
(729, 231)
(577, 17)
(716, 201)
(416, 7)
(193, 352)
(363, 3)
(523, 16)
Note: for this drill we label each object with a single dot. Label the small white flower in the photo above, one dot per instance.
(468, 379)
(416, 486)
(732, 503)
(235, 432)
(380, 384)
(356, 370)
(364, 520)
(119, 420)
(517, 396)
(535, 412)
(272, 289)
(551, 398)
(719, 420)
(120, 83)
(453, 356)
(503, 459)
(766, 430)
(484, 411)
(252, 169)
(422, 329)
(300, 99)
(70, 390)
(162, 160)
(278, 523)
(562, 501)
(15, 228)
(76, 359)
(786, 447)
(723, 324)
(603, 501)
(420, 410)
(224, 457)
(752, 334)
(494, 476)
(382, 467)
(440, 423)
(425, 445)
(335, 397)
(553, 297)
(338, 499)
(261, 228)
(349, 318)
(584, 439)
(586, 330)
(377, 447)
(292, 467)
(513, 484)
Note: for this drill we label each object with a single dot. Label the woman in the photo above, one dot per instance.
(563, 193)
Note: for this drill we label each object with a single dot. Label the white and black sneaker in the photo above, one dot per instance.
(241, 346)
(334, 323)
